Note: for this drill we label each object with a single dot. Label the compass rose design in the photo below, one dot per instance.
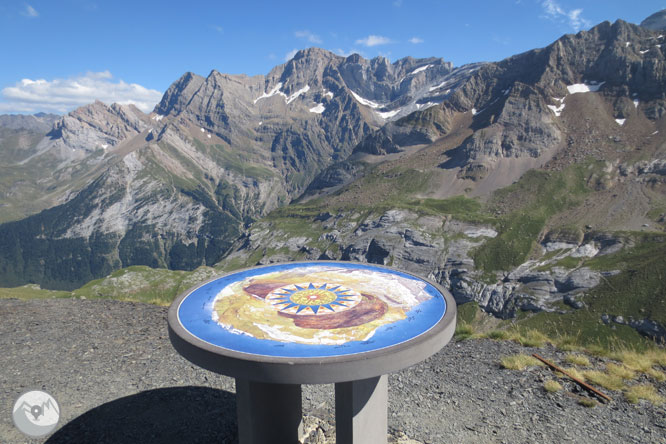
(313, 298)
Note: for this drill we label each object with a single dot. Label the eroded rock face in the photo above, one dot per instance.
(524, 128)
(435, 248)
(94, 127)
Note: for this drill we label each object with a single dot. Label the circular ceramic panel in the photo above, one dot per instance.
(310, 310)
(306, 299)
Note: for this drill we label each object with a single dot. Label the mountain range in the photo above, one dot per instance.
(525, 185)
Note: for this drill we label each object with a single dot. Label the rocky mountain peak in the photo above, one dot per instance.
(314, 53)
(655, 22)
(305, 68)
(178, 95)
(93, 127)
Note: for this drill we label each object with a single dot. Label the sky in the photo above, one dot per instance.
(58, 55)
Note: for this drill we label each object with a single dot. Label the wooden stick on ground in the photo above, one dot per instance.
(576, 380)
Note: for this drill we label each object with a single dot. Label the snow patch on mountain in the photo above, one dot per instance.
(272, 92)
(584, 87)
(557, 109)
(318, 109)
(295, 95)
(424, 106)
(276, 92)
(441, 85)
(363, 101)
(418, 70)
(388, 114)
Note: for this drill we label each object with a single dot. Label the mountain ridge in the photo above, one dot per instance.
(224, 149)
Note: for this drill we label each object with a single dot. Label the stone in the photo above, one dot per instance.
(579, 279)
(649, 328)
(574, 303)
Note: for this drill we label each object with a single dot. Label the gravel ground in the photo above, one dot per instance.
(112, 369)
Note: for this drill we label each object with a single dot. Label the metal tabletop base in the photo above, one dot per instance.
(273, 413)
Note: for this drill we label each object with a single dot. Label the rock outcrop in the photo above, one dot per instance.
(435, 248)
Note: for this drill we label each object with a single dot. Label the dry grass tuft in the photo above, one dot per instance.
(500, 335)
(640, 362)
(643, 391)
(552, 386)
(533, 338)
(658, 356)
(610, 382)
(573, 371)
(576, 359)
(657, 375)
(620, 371)
(520, 362)
(569, 343)
(587, 402)
(464, 330)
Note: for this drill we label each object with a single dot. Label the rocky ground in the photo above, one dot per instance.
(117, 379)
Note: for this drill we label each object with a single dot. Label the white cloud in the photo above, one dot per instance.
(415, 40)
(290, 55)
(551, 8)
(30, 12)
(343, 53)
(553, 11)
(64, 95)
(397, 3)
(576, 21)
(309, 36)
(218, 28)
(373, 40)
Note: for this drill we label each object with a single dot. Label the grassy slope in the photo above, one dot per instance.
(638, 291)
(542, 195)
(137, 283)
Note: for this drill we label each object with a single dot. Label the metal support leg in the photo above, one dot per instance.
(268, 413)
(361, 411)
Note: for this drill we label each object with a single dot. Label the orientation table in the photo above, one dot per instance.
(278, 326)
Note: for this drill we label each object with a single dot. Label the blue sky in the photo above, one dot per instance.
(58, 55)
